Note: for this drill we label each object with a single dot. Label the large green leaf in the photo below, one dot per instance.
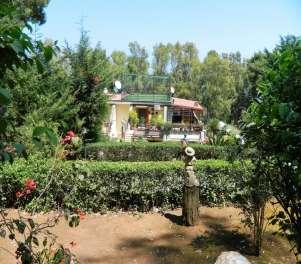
(5, 96)
(39, 132)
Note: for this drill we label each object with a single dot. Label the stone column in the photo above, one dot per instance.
(190, 211)
(165, 113)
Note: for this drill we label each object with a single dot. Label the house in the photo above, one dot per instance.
(183, 114)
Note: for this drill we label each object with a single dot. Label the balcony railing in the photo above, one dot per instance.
(145, 84)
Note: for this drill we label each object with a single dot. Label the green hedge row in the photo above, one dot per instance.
(98, 186)
(148, 151)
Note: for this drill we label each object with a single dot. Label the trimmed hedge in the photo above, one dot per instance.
(146, 151)
(98, 186)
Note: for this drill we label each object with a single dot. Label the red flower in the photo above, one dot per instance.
(67, 138)
(30, 185)
(70, 133)
(19, 194)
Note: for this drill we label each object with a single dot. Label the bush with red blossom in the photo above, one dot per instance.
(67, 139)
(29, 186)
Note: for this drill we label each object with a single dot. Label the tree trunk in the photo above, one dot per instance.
(190, 209)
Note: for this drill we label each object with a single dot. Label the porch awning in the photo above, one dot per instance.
(187, 104)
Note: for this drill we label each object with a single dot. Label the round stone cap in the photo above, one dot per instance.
(189, 151)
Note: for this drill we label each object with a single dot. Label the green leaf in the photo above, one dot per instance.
(40, 66)
(2, 233)
(31, 223)
(58, 257)
(48, 52)
(284, 110)
(20, 226)
(44, 241)
(3, 125)
(74, 221)
(20, 148)
(52, 137)
(35, 241)
(5, 96)
(17, 47)
(49, 133)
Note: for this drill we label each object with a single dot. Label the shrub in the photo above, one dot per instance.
(96, 186)
(167, 128)
(133, 118)
(143, 151)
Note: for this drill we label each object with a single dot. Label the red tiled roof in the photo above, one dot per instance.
(117, 97)
(184, 103)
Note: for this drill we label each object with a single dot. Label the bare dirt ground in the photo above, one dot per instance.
(149, 238)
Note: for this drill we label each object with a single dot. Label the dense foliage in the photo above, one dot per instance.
(97, 186)
(89, 76)
(154, 151)
(273, 126)
(17, 51)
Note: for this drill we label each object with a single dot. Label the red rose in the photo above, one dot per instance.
(71, 133)
(30, 185)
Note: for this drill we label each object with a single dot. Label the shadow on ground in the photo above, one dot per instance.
(196, 245)
(178, 246)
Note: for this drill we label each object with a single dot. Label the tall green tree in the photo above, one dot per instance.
(161, 59)
(90, 75)
(273, 126)
(251, 74)
(32, 11)
(118, 64)
(217, 86)
(42, 96)
(185, 66)
(138, 59)
(17, 51)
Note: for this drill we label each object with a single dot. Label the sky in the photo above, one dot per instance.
(222, 25)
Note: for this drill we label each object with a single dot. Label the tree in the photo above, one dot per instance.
(217, 86)
(18, 51)
(185, 69)
(272, 127)
(118, 64)
(137, 60)
(90, 71)
(161, 59)
(251, 74)
(32, 10)
(41, 99)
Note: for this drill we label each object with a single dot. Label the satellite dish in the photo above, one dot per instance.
(117, 86)
(172, 90)
(105, 90)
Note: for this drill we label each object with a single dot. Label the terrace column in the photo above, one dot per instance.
(165, 113)
(113, 117)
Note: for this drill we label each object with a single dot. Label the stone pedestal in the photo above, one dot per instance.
(190, 210)
(231, 257)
